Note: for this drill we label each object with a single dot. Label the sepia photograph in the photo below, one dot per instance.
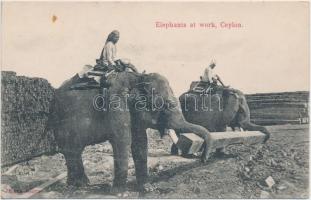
(159, 100)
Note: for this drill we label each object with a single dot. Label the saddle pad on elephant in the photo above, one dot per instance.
(95, 73)
(199, 86)
(86, 79)
(88, 82)
(204, 87)
(84, 83)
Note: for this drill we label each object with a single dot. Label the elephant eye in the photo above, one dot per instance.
(143, 83)
(143, 86)
(146, 91)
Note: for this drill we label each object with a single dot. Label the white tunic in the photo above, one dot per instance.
(109, 53)
(208, 75)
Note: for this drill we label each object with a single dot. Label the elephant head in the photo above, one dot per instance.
(153, 104)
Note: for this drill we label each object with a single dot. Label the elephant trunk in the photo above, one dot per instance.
(174, 119)
(186, 127)
(180, 125)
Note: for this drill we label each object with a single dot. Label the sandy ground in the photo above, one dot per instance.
(240, 174)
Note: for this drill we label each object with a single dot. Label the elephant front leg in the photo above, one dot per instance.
(75, 171)
(220, 152)
(174, 150)
(140, 155)
(120, 151)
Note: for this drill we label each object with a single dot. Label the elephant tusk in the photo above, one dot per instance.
(172, 134)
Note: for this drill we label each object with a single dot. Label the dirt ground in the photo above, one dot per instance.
(240, 174)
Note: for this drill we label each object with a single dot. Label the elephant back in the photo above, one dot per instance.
(222, 93)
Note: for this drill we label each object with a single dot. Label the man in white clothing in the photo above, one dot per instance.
(109, 52)
(108, 56)
(209, 75)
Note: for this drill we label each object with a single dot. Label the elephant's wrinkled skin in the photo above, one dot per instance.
(219, 112)
(77, 124)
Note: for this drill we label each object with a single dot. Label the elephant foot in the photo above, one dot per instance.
(119, 191)
(145, 188)
(266, 138)
(189, 156)
(78, 182)
(223, 155)
(205, 154)
(123, 195)
(220, 153)
(203, 160)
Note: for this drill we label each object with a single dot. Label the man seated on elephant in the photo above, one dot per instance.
(210, 77)
(91, 77)
(108, 54)
(108, 58)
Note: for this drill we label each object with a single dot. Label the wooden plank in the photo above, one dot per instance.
(95, 73)
(218, 140)
(38, 189)
(35, 190)
(11, 169)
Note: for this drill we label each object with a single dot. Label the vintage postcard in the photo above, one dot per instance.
(162, 100)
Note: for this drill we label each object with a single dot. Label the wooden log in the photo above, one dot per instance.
(10, 170)
(95, 73)
(223, 139)
(33, 191)
(189, 143)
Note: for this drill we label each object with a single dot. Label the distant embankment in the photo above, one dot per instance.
(279, 108)
(24, 115)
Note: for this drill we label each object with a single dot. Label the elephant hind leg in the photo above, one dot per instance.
(254, 127)
(75, 170)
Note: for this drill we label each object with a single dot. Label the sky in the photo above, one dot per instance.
(269, 52)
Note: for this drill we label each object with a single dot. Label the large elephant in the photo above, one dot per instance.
(120, 114)
(217, 110)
